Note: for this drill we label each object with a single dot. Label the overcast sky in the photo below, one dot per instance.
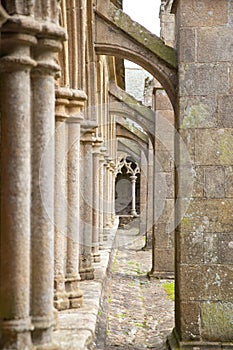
(145, 12)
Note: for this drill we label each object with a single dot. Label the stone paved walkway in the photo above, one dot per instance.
(136, 312)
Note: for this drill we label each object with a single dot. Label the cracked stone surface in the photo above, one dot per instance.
(136, 312)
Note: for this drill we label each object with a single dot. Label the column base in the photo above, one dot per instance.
(43, 332)
(74, 293)
(16, 334)
(134, 213)
(87, 274)
(106, 232)
(164, 275)
(175, 344)
(61, 301)
(96, 257)
(95, 254)
(86, 270)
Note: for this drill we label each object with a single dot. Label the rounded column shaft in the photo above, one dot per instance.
(96, 194)
(15, 104)
(133, 182)
(42, 205)
(72, 266)
(86, 268)
(60, 247)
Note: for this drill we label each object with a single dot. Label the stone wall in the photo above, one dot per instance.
(204, 300)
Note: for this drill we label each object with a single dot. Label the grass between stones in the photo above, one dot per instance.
(170, 290)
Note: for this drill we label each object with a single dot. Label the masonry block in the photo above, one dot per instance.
(207, 215)
(226, 249)
(214, 147)
(211, 248)
(164, 260)
(214, 182)
(206, 282)
(198, 112)
(187, 52)
(215, 44)
(229, 181)
(204, 79)
(225, 107)
(190, 312)
(216, 320)
(206, 13)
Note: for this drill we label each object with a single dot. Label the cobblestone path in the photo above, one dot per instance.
(138, 313)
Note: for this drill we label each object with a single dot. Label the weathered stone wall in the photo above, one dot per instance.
(204, 299)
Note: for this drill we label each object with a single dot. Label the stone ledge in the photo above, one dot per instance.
(76, 327)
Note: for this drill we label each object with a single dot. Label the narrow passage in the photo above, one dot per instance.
(137, 312)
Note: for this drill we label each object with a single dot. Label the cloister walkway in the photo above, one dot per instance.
(136, 312)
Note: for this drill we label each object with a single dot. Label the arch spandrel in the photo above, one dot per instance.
(117, 35)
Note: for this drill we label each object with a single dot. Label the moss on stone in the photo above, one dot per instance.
(196, 114)
(217, 320)
(143, 36)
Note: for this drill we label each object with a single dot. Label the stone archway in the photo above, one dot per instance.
(127, 39)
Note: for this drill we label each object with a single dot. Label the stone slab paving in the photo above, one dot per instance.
(136, 312)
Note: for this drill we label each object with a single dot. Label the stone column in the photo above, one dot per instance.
(105, 203)
(96, 201)
(143, 193)
(60, 248)
(15, 102)
(101, 196)
(42, 205)
(133, 179)
(150, 197)
(73, 227)
(86, 268)
(113, 179)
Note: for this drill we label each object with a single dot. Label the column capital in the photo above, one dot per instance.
(88, 137)
(15, 51)
(98, 142)
(133, 178)
(88, 126)
(69, 103)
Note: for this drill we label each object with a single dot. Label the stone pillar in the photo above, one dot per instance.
(204, 159)
(73, 227)
(101, 196)
(163, 229)
(113, 180)
(106, 202)
(69, 103)
(133, 179)
(96, 201)
(15, 102)
(150, 197)
(143, 193)
(86, 268)
(60, 248)
(42, 203)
